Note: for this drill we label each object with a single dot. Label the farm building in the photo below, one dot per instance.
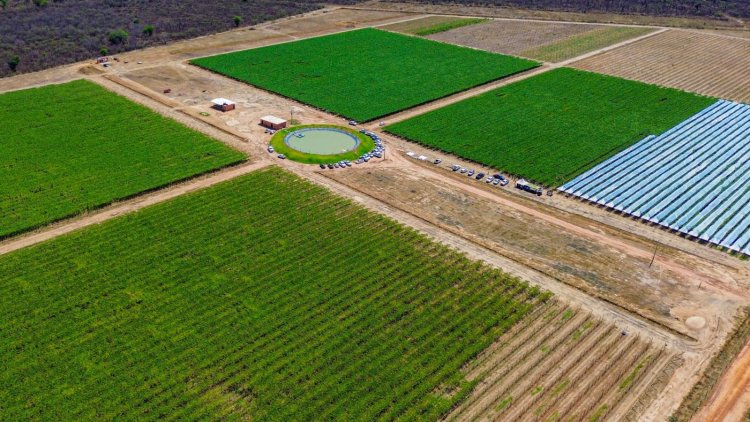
(273, 122)
(223, 104)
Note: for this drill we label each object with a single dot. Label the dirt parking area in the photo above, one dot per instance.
(677, 291)
(706, 64)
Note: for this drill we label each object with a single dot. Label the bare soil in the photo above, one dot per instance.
(510, 36)
(706, 64)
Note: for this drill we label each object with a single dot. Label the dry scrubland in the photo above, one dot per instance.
(697, 62)
(74, 147)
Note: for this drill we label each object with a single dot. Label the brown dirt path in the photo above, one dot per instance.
(127, 207)
(731, 396)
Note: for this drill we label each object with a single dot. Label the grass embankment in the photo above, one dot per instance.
(366, 144)
(265, 298)
(553, 126)
(364, 74)
(74, 147)
(583, 43)
(702, 390)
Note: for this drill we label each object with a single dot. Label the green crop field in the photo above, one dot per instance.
(553, 126)
(265, 298)
(70, 148)
(364, 74)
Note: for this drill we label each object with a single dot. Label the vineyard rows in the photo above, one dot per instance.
(250, 299)
(553, 126)
(692, 179)
(696, 62)
(364, 74)
(563, 364)
(70, 148)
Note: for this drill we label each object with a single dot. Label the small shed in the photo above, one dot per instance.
(273, 122)
(223, 104)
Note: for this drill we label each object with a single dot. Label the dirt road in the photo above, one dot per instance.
(126, 207)
(731, 396)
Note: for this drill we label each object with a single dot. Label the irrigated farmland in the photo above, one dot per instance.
(73, 147)
(364, 74)
(265, 297)
(692, 179)
(553, 126)
(707, 64)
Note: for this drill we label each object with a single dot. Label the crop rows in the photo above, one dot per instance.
(692, 179)
(561, 365)
(364, 74)
(553, 126)
(254, 298)
(585, 42)
(69, 148)
(697, 62)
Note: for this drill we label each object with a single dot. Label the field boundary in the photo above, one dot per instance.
(127, 206)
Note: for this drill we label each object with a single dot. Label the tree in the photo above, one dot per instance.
(118, 36)
(14, 62)
(40, 3)
(237, 20)
(104, 51)
(148, 30)
(3, 3)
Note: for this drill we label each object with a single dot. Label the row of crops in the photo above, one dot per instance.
(553, 126)
(562, 364)
(693, 179)
(265, 297)
(65, 149)
(364, 74)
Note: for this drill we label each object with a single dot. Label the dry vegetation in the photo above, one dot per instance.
(562, 364)
(706, 64)
(511, 37)
(416, 25)
(583, 43)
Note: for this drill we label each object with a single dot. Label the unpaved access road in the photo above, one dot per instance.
(126, 207)
(730, 399)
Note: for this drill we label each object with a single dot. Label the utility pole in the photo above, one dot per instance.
(653, 257)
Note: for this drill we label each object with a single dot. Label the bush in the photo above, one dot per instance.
(237, 20)
(148, 30)
(13, 62)
(118, 36)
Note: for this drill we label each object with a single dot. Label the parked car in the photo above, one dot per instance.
(323, 166)
(455, 167)
(270, 149)
(463, 170)
(470, 173)
(282, 156)
(437, 161)
(480, 176)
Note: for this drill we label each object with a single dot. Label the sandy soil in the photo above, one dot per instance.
(706, 64)
(510, 36)
(730, 399)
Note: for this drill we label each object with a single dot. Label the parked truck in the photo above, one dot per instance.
(529, 187)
